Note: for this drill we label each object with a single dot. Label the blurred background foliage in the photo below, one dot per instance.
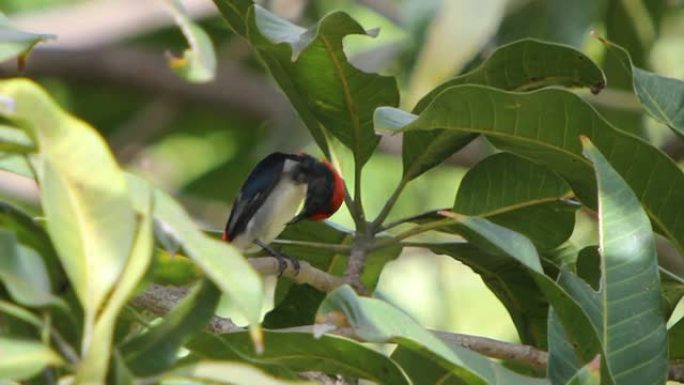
(107, 66)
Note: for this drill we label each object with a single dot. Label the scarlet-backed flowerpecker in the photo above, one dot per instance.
(272, 194)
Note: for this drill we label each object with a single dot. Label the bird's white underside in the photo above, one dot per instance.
(280, 207)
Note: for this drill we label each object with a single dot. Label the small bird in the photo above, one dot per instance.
(272, 194)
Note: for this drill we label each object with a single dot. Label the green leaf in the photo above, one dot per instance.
(513, 285)
(198, 63)
(521, 195)
(376, 321)
(23, 273)
(564, 367)
(95, 363)
(544, 125)
(157, 349)
(23, 359)
(297, 304)
(634, 337)
(224, 373)
(84, 193)
(520, 66)
(13, 140)
(675, 338)
(221, 262)
(14, 42)
(31, 234)
(302, 352)
(339, 99)
(661, 97)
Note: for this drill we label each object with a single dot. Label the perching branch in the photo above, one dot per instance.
(160, 300)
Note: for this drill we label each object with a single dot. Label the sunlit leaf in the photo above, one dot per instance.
(13, 140)
(224, 373)
(23, 359)
(84, 194)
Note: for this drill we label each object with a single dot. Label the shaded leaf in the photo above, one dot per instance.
(157, 349)
(675, 338)
(198, 63)
(23, 273)
(23, 359)
(520, 66)
(520, 195)
(543, 126)
(377, 321)
(302, 352)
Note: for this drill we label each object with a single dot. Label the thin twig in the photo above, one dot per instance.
(375, 226)
(317, 245)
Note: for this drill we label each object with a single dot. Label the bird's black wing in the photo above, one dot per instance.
(259, 184)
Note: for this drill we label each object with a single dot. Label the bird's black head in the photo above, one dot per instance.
(325, 188)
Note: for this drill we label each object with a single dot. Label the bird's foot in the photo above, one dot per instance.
(282, 259)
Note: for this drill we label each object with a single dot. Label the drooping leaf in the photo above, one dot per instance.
(377, 321)
(520, 195)
(297, 304)
(23, 273)
(563, 364)
(302, 352)
(15, 43)
(544, 125)
(661, 97)
(339, 99)
(519, 66)
(84, 194)
(633, 334)
(23, 359)
(157, 349)
(221, 262)
(198, 63)
(224, 373)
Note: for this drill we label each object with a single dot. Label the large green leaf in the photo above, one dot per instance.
(544, 125)
(22, 359)
(14, 140)
(221, 262)
(198, 63)
(223, 373)
(157, 349)
(95, 363)
(338, 97)
(84, 194)
(633, 334)
(521, 195)
(377, 321)
(23, 273)
(302, 352)
(14, 42)
(661, 97)
(519, 66)
(297, 304)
